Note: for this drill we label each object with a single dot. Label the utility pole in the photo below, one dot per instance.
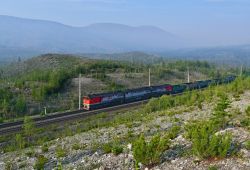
(80, 91)
(149, 77)
(241, 70)
(188, 75)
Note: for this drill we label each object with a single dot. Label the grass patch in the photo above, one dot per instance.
(45, 148)
(41, 161)
(213, 168)
(247, 145)
(173, 132)
(248, 111)
(78, 146)
(60, 152)
(117, 149)
(114, 148)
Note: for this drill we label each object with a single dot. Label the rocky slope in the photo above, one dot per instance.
(82, 151)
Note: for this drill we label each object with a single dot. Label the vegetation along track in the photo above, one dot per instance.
(14, 127)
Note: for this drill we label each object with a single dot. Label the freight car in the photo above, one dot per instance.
(157, 91)
(179, 88)
(97, 101)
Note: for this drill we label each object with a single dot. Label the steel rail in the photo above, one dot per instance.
(14, 127)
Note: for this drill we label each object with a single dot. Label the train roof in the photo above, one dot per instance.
(102, 94)
(146, 88)
(162, 85)
(125, 91)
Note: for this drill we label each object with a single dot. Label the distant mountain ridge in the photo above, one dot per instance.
(21, 36)
(229, 55)
(132, 57)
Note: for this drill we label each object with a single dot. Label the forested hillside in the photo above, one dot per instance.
(51, 80)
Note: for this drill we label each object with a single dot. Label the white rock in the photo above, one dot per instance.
(173, 161)
(129, 146)
(130, 155)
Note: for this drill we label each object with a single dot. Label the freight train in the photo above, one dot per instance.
(98, 101)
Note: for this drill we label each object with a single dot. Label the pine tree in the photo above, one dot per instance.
(29, 128)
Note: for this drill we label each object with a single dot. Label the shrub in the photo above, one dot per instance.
(20, 105)
(45, 148)
(107, 148)
(237, 111)
(149, 153)
(206, 143)
(117, 149)
(173, 132)
(41, 161)
(222, 105)
(30, 153)
(247, 144)
(194, 126)
(130, 134)
(212, 168)
(220, 116)
(245, 122)
(60, 152)
(29, 128)
(59, 166)
(9, 165)
(248, 111)
(78, 146)
(220, 145)
(200, 105)
(20, 141)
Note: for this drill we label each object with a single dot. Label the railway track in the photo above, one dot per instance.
(14, 127)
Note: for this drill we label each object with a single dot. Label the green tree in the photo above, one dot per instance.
(20, 105)
(223, 103)
(140, 150)
(29, 127)
(220, 114)
(20, 141)
(5, 107)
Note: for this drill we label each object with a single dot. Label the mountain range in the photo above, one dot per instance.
(24, 37)
(20, 37)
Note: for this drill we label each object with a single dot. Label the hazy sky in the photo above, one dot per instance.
(212, 22)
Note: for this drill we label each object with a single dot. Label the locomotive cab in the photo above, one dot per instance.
(98, 101)
(86, 103)
(91, 102)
